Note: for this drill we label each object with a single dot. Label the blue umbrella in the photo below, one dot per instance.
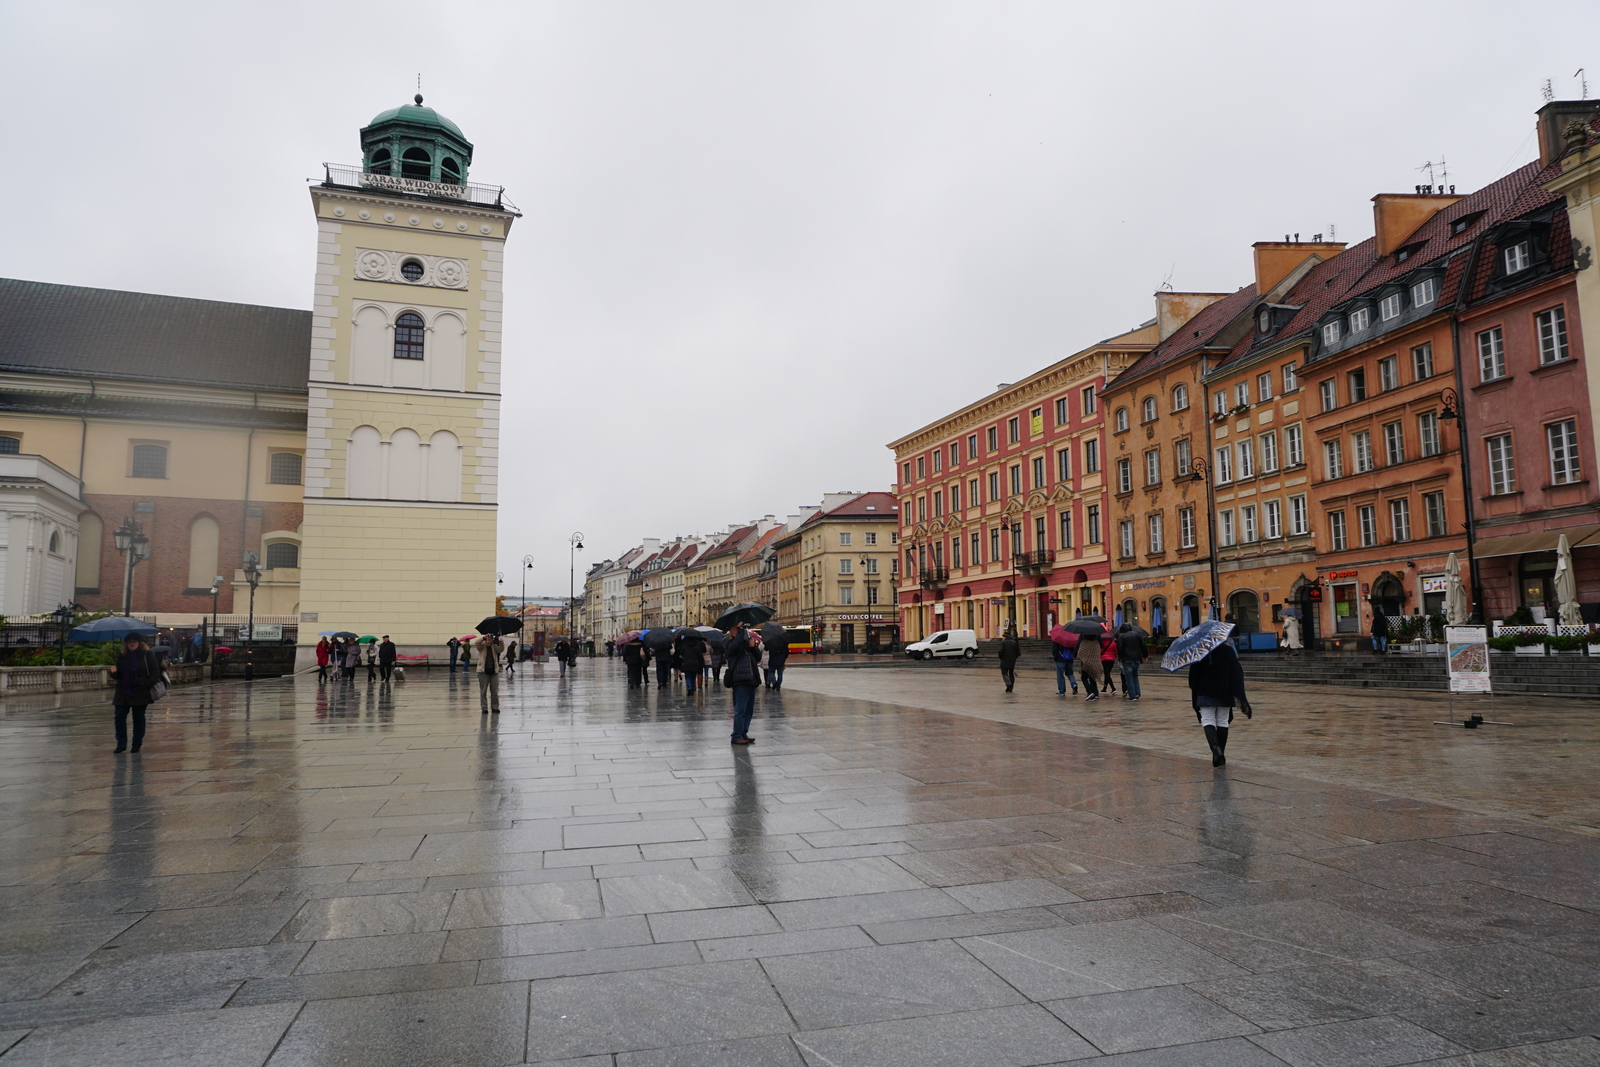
(111, 628)
(1196, 644)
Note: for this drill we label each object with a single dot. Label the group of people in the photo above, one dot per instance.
(346, 654)
(511, 653)
(741, 661)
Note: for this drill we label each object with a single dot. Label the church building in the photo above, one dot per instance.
(350, 451)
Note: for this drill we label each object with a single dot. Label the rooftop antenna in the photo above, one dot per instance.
(1444, 175)
(1548, 91)
(1333, 233)
(1166, 283)
(1583, 80)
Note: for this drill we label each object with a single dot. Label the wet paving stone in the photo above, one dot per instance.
(371, 875)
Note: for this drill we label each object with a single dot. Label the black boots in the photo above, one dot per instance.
(1217, 738)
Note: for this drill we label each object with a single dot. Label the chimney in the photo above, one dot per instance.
(1276, 260)
(1554, 121)
(1175, 309)
(1396, 216)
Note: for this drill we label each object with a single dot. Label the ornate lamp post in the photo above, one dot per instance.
(63, 618)
(1199, 472)
(1452, 410)
(135, 548)
(216, 588)
(574, 546)
(252, 574)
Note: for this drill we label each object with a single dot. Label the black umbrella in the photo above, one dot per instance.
(774, 636)
(750, 613)
(1088, 626)
(499, 625)
(346, 635)
(712, 636)
(658, 638)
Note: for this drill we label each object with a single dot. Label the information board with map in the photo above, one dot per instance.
(1468, 649)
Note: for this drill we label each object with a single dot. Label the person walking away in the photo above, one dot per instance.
(663, 658)
(1131, 651)
(1216, 687)
(1380, 632)
(466, 656)
(692, 654)
(372, 661)
(633, 657)
(611, 649)
(138, 676)
(563, 652)
(1108, 660)
(386, 657)
(777, 656)
(1088, 656)
(454, 645)
(489, 653)
(324, 650)
(1062, 656)
(1291, 635)
(744, 676)
(718, 658)
(511, 655)
(199, 641)
(1010, 652)
(352, 658)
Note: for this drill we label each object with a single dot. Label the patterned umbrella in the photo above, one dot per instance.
(1194, 646)
(1064, 637)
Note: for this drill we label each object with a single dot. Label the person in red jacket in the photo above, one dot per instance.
(1108, 660)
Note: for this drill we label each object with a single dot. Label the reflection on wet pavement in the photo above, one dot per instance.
(371, 875)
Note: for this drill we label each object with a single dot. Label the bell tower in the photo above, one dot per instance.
(401, 471)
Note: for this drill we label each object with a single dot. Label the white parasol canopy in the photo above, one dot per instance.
(1455, 594)
(1566, 586)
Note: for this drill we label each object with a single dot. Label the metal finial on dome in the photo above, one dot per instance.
(418, 99)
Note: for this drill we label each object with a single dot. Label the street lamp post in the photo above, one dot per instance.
(63, 617)
(1452, 410)
(252, 574)
(1199, 472)
(574, 546)
(135, 548)
(216, 589)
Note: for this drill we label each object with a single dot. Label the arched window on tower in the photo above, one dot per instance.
(408, 336)
(415, 163)
(382, 162)
(449, 171)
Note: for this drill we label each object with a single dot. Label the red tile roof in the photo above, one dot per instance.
(1195, 334)
(873, 504)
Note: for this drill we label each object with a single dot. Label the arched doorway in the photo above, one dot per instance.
(1245, 607)
(1189, 612)
(1305, 595)
(1388, 596)
(1128, 611)
(1158, 616)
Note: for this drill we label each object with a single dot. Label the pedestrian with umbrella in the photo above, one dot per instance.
(324, 650)
(748, 612)
(658, 642)
(1291, 631)
(716, 642)
(634, 658)
(1010, 652)
(1131, 651)
(691, 653)
(352, 657)
(743, 654)
(1090, 629)
(1108, 658)
(139, 683)
(490, 652)
(1216, 681)
(775, 639)
(1062, 646)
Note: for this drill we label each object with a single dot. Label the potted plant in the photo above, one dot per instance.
(1566, 644)
(1503, 644)
(1434, 639)
(1529, 644)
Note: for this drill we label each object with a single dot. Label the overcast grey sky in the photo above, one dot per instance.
(760, 239)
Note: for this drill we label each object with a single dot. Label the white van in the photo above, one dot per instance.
(945, 643)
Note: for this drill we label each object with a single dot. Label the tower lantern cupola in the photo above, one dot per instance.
(412, 141)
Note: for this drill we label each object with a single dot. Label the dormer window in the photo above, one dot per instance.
(1517, 258)
(1402, 255)
(1360, 319)
(1330, 333)
(1425, 292)
(1461, 225)
(1264, 321)
(1389, 307)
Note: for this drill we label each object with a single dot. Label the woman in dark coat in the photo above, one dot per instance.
(634, 658)
(1088, 657)
(137, 672)
(1380, 632)
(1010, 652)
(1216, 687)
(743, 656)
(691, 653)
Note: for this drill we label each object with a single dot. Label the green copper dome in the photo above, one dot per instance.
(412, 141)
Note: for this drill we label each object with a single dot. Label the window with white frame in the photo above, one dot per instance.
(1367, 518)
(1400, 519)
(1502, 470)
(1247, 459)
(1336, 531)
(1394, 443)
(1428, 433)
(1089, 401)
(973, 497)
(1156, 541)
(1225, 527)
(1264, 386)
(1330, 333)
(1092, 518)
(1269, 451)
(1016, 479)
(1061, 411)
(922, 466)
(972, 446)
(1388, 373)
(1186, 527)
(994, 485)
(1332, 459)
(938, 503)
(976, 558)
(1298, 516)
(1294, 448)
(1389, 307)
(1291, 380)
(1038, 472)
(993, 433)
(938, 460)
(1491, 355)
(1360, 319)
(1425, 292)
(1552, 327)
(1122, 419)
(1565, 467)
(955, 454)
(1248, 528)
(1422, 361)
(1152, 467)
(1063, 464)
(955, 501)
(1330, 398)
(872, 595)
(871, 537)
(1091, 455)
(847, 595)
(1181, 458)
(1125, 537)
(1361, 451)
(1517, 258)
(1433, 510)
(1219, 401)
(1065, 521)
(1224, 468)
(1272, 514)
(844, 565)
(1124, 475)
(1241, 395)
(1014, 429)
(1180, 398)
(1358, 385)
(1149, 409)
(994, 544)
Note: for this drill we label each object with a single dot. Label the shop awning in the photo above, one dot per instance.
(1543, 541)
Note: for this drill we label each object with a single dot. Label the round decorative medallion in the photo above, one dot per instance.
(339, 211)
(415, 221)
(364, 213)
(484, 228)
(450, 273)
(374, 265)
(461, 226)
(388, 216)
(438, 224)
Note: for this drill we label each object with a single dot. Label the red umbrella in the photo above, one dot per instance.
(1063, 637)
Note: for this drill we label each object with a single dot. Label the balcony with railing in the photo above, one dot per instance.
(344, 176)
(1039, 561)
(935, 577)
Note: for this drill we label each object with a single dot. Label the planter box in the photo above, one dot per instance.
(1433, 650)
(1529, 650)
